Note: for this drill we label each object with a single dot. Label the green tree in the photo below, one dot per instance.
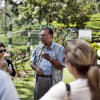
(67, 12)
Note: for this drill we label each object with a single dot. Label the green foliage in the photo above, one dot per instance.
(4, 39)
(95, 47)
(62, 36)
(20, 39)
(91, 9)
(94, 21)
(13, 7)
(93, 24)
(2, 21)
(17, 40)
(64, 12)
(24, 66)
(96, 33)
(18, 53)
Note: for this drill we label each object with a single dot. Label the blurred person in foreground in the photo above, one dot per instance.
(7, 89)
(47, 61)
(81, 62)
(6, 64)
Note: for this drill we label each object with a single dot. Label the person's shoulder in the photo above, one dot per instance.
(79, 83)
(57, 92)
(60, 86)
(2, 72)
(57, 44)
(3, 75)
(39, 46)
(8, 60)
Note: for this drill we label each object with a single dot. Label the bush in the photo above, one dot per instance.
(17, 53)
(95, 47)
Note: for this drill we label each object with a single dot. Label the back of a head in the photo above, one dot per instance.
(81, 55)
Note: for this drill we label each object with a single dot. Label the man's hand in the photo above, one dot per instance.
(54, 62)
(39, 71)
(46, 56)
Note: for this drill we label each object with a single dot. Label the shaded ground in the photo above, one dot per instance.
(22, 75)
(24, 83)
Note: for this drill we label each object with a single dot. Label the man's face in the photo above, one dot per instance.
(46, 38)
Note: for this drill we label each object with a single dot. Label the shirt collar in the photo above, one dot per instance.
(52, 45)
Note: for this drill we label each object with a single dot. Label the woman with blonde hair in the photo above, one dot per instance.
(81, 62)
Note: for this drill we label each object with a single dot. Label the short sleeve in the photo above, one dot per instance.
(61, 56)
(33, 57)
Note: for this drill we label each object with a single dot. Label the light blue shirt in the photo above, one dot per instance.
(7, 89)
(45, 64)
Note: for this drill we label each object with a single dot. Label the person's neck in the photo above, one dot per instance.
(80, 76)
(77, 75)
(48, 45)
(1, 58)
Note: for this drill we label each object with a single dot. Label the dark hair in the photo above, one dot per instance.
(2, 45)
(50, 30)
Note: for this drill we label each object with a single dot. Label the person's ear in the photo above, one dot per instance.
(51, 36)
(70, 67)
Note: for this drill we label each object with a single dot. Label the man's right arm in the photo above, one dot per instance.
(37, 69)
(33, 61)
(33, 66)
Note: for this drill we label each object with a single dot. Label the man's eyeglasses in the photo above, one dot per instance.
(43, 35)
(2, 50)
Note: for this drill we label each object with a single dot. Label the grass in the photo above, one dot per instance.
(94, 22)
(67, 76)
(24, 66)
(19, 40)
(25, 86)
(3, 38)
(16, 40)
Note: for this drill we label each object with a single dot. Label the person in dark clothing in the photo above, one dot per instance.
(6, 64)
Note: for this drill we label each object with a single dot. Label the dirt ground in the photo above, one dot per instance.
(21, 75)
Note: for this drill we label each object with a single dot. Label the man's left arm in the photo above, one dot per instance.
(57, 63)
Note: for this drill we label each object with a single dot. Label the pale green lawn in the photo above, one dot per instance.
(67, 76)
(25, 88)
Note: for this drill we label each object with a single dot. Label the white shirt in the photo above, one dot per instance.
(7, 89)
(79, 91)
